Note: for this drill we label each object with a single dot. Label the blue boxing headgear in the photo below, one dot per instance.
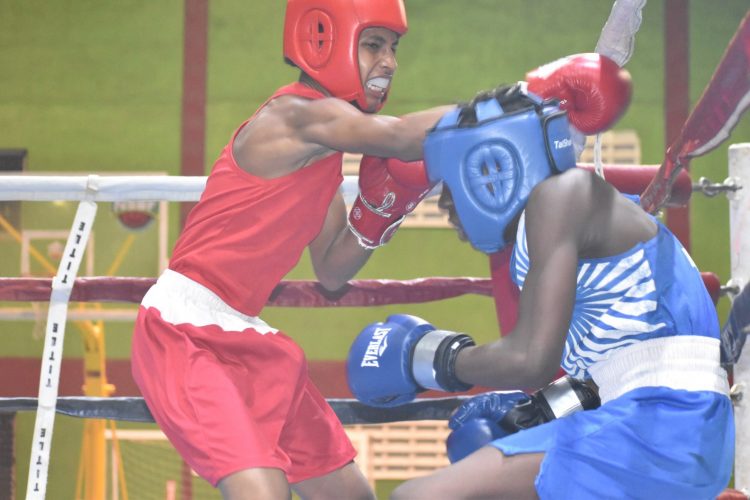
(491, 158)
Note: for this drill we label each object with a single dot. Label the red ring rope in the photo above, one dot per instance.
(293, 293)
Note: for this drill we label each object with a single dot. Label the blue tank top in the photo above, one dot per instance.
(652, 290)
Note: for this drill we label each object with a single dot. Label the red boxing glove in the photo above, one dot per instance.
(592, 88)
(388, 190)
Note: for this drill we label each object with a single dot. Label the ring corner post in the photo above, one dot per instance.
(739, 218)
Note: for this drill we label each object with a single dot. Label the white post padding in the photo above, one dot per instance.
(739, 231)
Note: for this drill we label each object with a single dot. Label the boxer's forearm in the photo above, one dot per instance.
(344, 258)
(335, 253)
(500, 366)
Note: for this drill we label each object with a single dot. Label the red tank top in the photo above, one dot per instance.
(246, 233)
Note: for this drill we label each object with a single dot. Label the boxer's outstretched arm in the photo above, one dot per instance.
(337, 125)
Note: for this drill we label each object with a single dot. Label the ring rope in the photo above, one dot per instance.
(291, 293)
(631, 179)
(30, 187)
(134, 409)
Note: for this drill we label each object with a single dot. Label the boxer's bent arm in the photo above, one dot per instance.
(338, 125)
(530, 355)
(335, 253)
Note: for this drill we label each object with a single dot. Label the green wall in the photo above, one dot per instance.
(89, 86)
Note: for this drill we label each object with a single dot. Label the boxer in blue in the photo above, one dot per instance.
(607, 293)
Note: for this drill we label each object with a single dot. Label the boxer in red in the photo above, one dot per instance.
(231, 392)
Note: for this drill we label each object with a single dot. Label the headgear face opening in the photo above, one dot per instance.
(322, 36)
(492, 153)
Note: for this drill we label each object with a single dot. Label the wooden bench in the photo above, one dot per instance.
(400, 450)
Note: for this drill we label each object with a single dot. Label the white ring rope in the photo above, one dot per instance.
(117, 188)
(111, 188)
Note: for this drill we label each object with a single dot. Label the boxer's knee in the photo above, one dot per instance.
(256, 483)
(347, 482)
(420, 488)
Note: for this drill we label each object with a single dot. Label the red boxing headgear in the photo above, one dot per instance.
(322, 36)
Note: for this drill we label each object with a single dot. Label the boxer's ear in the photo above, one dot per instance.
(445, 203)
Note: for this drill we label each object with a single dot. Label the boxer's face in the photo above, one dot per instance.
(377, 63)
(445, 202)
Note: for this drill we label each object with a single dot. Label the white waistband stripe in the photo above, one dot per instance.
(686, 362)
(181, 300)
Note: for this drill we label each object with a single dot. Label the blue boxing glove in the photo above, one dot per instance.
(476, 422)
(494, 415)
(390, 362)
(471, 436)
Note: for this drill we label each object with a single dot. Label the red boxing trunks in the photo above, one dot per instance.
(230, 392)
